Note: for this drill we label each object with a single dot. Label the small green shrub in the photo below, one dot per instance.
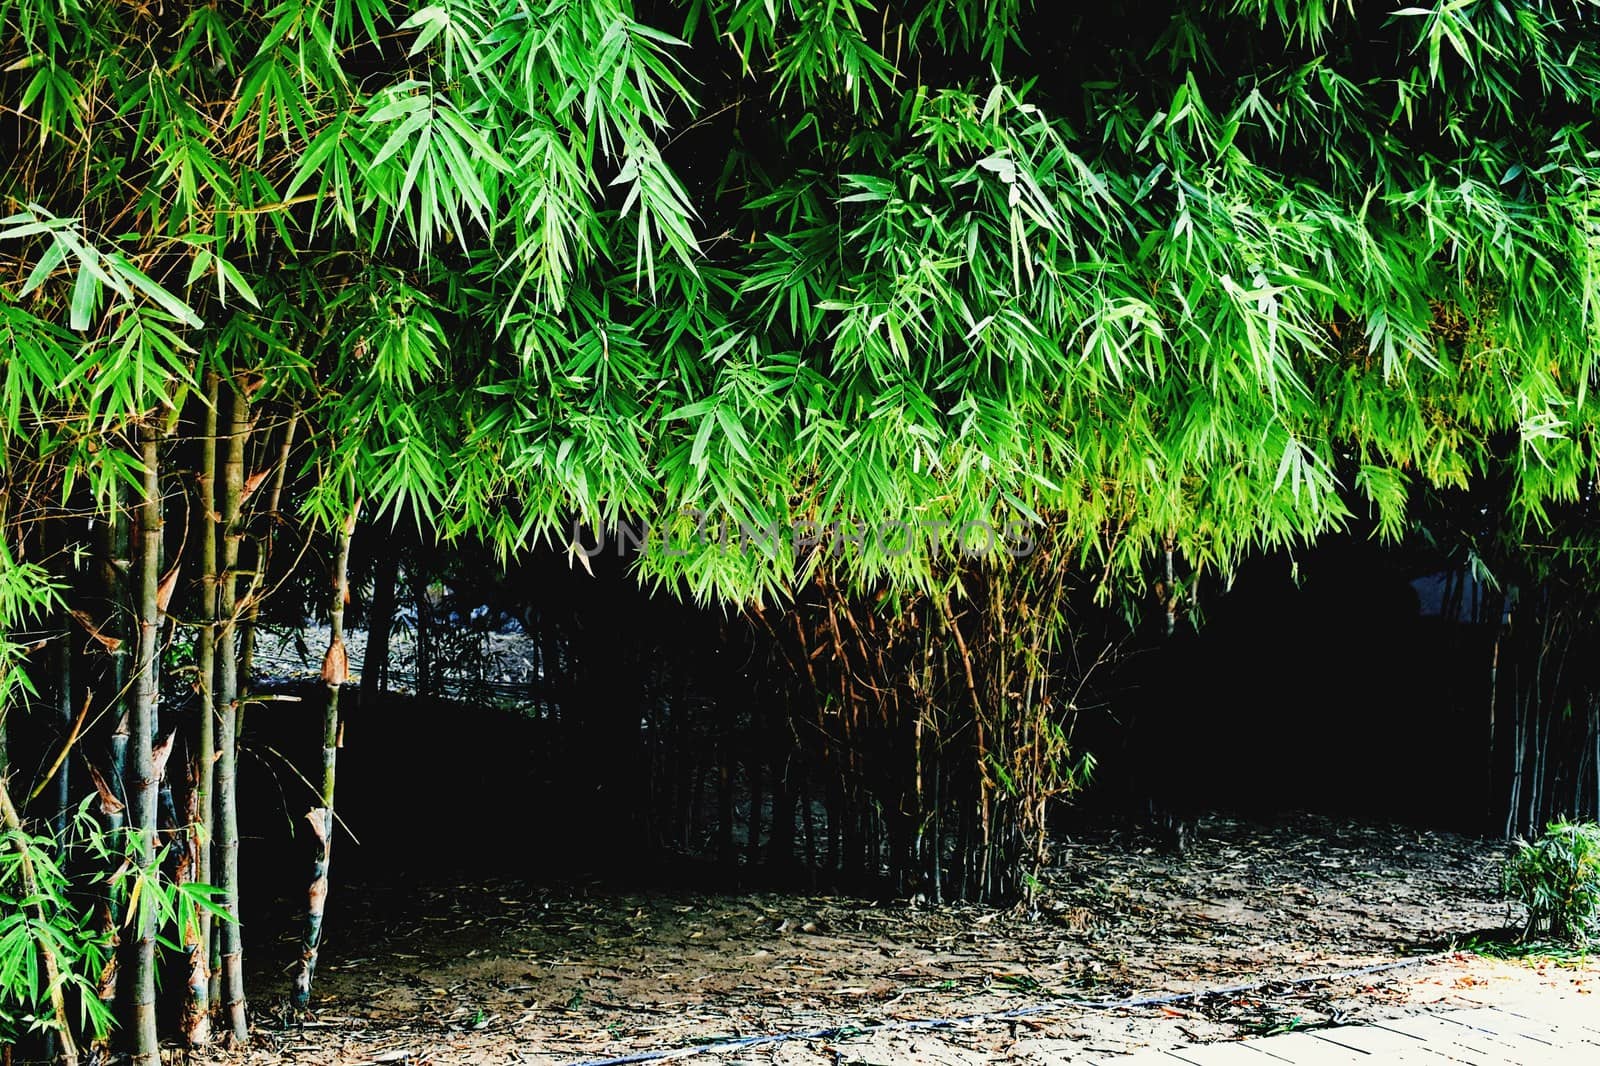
(1557, 879)
(39, 917)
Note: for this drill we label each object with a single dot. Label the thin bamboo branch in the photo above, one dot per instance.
(66, 749)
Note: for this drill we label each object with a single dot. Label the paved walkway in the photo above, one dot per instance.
(1531, 1032)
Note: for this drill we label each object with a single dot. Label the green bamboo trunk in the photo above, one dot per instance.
(58, 538)
(141, 783)
(64, 716)
(197, 1017)
(120, 565)
(226, 783)
(258, 575)
(335, 670)
(110, 681)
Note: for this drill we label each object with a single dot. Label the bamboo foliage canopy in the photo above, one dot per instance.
(1223, 271)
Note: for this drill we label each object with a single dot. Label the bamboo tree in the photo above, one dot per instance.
(116, 571)
(422, 639)
(228, 694)
(142, 783)
(111, 637)
(63, 678)
(264, 546)
(335, 672)
(1248, 302)
(197, 1026)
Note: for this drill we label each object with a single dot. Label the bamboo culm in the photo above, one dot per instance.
(197, 1022)
(141, 782)
(264, 546)
(63, 697)
(228, 685)
(119, 565)
(335, 671)
(113, 796)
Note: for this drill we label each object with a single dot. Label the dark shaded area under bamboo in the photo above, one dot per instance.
(848, 741)
(666, 736)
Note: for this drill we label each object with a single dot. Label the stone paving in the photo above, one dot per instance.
(1547, 1031)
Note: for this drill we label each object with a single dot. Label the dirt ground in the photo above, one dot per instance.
(506, 972)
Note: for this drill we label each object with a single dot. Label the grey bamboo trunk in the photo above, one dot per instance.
(141, 783)
(118, 548)
(64, 696)
(197, 1021)
(335, 671)
(110, 681)
(258, 576)
(227, 799)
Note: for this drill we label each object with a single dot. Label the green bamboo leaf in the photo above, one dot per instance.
(402, 135)
(136, 278)
(85, 299)
(48, 261)
(430, 21)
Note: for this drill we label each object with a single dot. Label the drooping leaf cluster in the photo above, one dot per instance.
(1215, 271)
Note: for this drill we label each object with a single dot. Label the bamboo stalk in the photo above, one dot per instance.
(753, 833)
(935, 861)
(226, 783)
(683, 762)
(247, 628)
(71, 727)
(118, 547)
(808, 825)
(725, 769)
(725, 853)
(927, 842)
(981, 748)
(113, 798)
(1169, 594)
(197, 1020)
(1577, 800)
(1594, 719)
(1539, 715)
(335, 671)
(780, 847)
(424, 650)
(142, 784)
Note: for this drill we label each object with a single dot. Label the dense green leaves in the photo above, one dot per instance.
(817, 299)
(1216, 271)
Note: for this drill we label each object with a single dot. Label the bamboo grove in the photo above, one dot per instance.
(1147, 282)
